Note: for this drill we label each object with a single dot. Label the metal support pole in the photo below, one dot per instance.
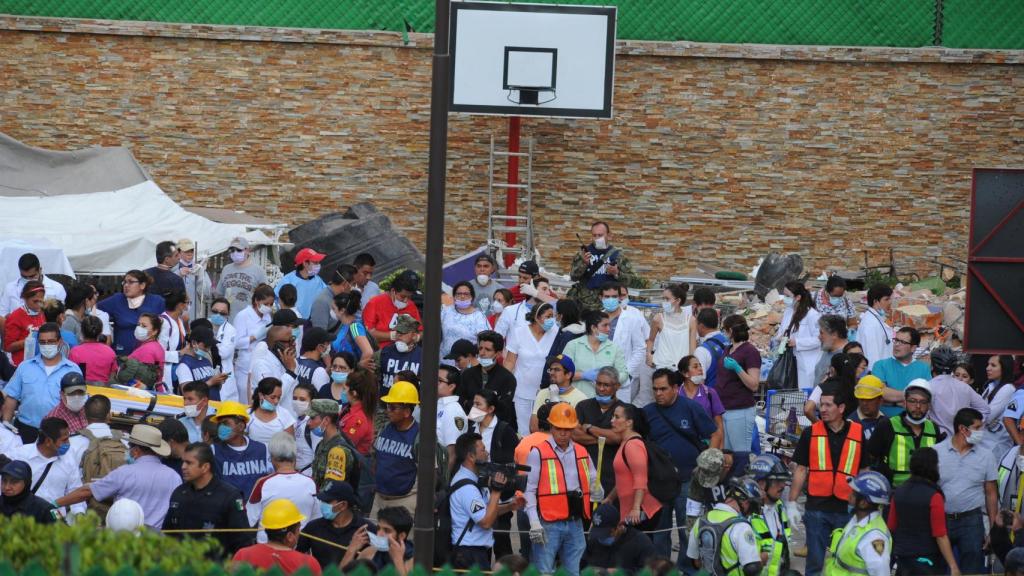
(939, 8)
(424, 525)
(512, 192)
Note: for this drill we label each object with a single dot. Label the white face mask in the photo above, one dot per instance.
(238, 257)
(300, 407)
(601, 243)
(191, 410)
(141, 334)
(49, 351)
(378, 542)
(76, 402)
(399, 304)
(483, 279)
(402, 346)
(976, 437)
(264, 309)
(476, 414)
(698, 379)
(315, 270)
(497, 307)
(487, 362)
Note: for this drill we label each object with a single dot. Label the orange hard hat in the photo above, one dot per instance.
(563, 416)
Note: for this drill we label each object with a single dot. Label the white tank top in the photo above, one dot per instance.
(673, 340)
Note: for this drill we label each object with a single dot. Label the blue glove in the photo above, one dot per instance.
(731, 364)
(590, 375)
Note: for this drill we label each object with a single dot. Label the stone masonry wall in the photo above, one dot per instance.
(717, 153)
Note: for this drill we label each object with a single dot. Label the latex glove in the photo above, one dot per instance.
(590, 375)
(596, 493)
(537, 534)
(793, 511)
(528, 289)
(731, 364)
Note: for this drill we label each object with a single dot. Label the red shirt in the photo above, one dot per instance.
(380, 311)
(16, 330)
(357, 427)
(263, 556)
(76, 420)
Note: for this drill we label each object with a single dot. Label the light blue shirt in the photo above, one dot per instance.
(195, 434)
(148, 481)
(36, 392)
(896, 375)
(307, 288)
(470, 502)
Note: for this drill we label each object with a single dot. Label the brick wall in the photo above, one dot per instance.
(717, 153)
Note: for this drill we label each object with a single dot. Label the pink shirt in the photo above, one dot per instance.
(631, 477)
(150, 353)
(99, 359)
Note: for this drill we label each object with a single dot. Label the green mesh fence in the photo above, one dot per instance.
(965, 23)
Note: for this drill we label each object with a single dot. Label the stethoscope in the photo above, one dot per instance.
(882, 323)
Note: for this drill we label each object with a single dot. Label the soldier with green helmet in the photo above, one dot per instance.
(335, 458)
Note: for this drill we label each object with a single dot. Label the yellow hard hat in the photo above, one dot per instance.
(563, 416)
(868, 388)
(231, 408)
(280, 513)
(402, 393)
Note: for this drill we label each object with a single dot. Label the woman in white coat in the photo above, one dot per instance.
(800, 325)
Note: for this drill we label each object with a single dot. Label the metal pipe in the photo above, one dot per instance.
(512, 192)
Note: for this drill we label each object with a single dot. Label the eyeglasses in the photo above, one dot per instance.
(904, 342)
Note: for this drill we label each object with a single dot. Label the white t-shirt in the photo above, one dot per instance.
(451, 420)
(301, 490)
(262, 431)
(531, 355)
(304, 452)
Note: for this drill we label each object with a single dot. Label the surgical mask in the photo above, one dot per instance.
(610, 304)
(76, 402)
(529, 305)
(202, 354)
(268, 405)
(463, 304)
(881, 313)
(602, 337)
(31, 312)
(49, 351)
(483, 279)
(698, 379)
(835, 300)
(224, 432)
(141, 333)
(788, 301)
(623, 303)
(476, 414)
(487, 362)
(264, 309)
(327, 511)
(548, 324)
(400, 304)
(300, 407)
(668, 307)
(343, 397)
(603, 399)
(402, 346)
(339, 377)
(217, 319)
(976, 437)
(315, 270)
(563, 390)
(917, 421)
(191, 410)
(318, 432)
(297, 333)
(497, 307)
(238, 257)
(378, 542)
(63, 448)
(601, 243)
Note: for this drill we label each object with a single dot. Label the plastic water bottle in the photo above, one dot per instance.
(791, 421)
(30, 343)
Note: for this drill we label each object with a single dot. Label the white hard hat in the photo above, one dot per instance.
(125, 516)
(919, 383)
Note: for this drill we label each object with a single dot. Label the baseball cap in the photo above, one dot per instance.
(18, 470)
(186, 245)
(337, 491)
(868, 388)
(709, 467)
(529, 267)
(562, 360)
(239, 242)
(72, 382)
(308, 254)
(405, 324)
(284, 318)
(605, 519)
(323, 407)
(460, 348)
(486, 257)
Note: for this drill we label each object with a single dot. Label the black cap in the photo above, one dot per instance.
(313, 337)
(408, 280)
(284, 318)
(605, 519)
(460, 348)
(486, 257)
(72, 380)
(18, 470)
(529, 267)
(337, 491)
(203, 335)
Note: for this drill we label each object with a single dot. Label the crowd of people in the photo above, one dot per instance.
(572, 431)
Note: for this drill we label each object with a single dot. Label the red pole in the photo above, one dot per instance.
(512, 193)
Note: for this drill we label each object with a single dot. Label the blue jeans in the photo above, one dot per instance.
(739, 428)
(566, 540)
(967, 535)
(663, 540)
(819, 526)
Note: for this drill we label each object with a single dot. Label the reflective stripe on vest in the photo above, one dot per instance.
(823, 480)
(843, 556)
(775, 546)
(904, 444)
(552, 494)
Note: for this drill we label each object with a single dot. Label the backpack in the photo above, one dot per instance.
(101, 457)
(663, 479)
(709, 545)
(443, 544)
(716, 347)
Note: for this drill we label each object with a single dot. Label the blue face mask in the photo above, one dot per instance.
(268, 405)
(548, 324)
(327, 511)
(63, 448)
(529, 305)
(339, 377)
(217, 319)
(610, 304)
(487, 362)
(603, 399)
(835, 300)
(343, 397)
(318, 432)
(563, 390)
(296, 333)
(602, 337)
(202, 355)
(224, 432)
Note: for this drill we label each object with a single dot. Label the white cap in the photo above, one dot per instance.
(125, 516)
(919, 383)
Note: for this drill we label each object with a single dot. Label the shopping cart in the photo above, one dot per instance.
(784, 417)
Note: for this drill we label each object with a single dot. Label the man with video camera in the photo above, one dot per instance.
(475, 507)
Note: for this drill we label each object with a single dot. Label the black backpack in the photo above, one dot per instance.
(443, 545)
(663, 479)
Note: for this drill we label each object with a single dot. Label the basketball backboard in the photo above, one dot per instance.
(532, 59)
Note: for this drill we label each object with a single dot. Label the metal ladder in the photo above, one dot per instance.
(499, 223)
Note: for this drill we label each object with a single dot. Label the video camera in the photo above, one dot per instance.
(513, 480)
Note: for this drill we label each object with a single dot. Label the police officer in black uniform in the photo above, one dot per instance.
(18, 499)
(205, 502)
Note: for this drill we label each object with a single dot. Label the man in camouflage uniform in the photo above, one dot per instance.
(334, 458)
(595, 264)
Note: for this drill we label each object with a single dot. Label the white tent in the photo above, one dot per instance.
(100, 207)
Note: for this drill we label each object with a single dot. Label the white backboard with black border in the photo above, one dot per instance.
(532, 59)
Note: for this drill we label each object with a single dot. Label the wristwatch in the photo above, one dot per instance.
(587, 427)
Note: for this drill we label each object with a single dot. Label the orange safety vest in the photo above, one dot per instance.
(824, 481)
(552, 495)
